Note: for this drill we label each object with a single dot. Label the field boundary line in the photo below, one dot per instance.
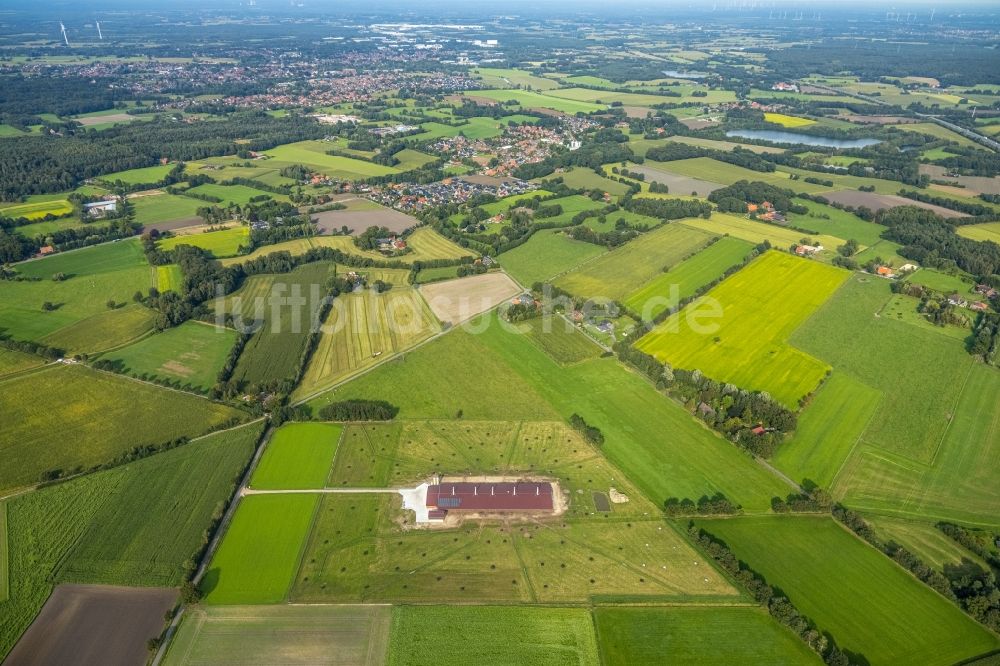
(857, 441)
(303, 549)
(951, 415)
(4, 554)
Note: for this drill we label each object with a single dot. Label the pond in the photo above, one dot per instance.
(777, 136)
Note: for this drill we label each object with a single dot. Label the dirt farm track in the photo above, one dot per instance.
(94, 624)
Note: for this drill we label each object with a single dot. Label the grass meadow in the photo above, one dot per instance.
(364, 329)
(335, 635)
(913, 458)
(838, 223)
(312, 154)
(443, 377)
(298, 455)
(867, 602)
(12, 361)
(451, 636)
(828, 430)
(94, 275)
(142, 176)
(132, 525)
(534, 100)
(66, 417)
(705, 168)
(221, 244)
(547, 253)
(192, 354)
(154, 208)
(618, 273)
(696, 635)
(689, 276)
(358, 552)
(757, 309)
(988, 231)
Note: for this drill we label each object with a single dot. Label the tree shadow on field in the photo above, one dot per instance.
(209, 581)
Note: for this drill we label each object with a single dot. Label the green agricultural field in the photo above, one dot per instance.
(298, 455)
(258, 557)
(886, 251)
(696, 635)
(146, 175)
(428, 275)
(578, 177)
(443, 377)
(988, 231)
(547, 253)
(620, 272)
(360, 548)
(705, 168)
(238, 194)
(190, 354)
(224, 243)
(164, 207)
(12, 361)
(100, 416)
(928, 543)
(607, 97)
(866, 601)
(499, 78)
(168, 278)
(938, 132)
(451, 636)
(312, 154)
(722, 224)
(335, 635)
(942, 282)
(533, 100)
(828, 430)
(739, 330)
(703, 143)
(840, 223)
(274, 351)
(45, 228)
(36, 211)
(428, 245)
(132, 525)
(103, 330)
(560, 339)
(362, 330)
(688, 277)
(300, 246)
(94, 275)
(913, 459)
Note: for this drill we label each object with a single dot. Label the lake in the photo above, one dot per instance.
(777, 136)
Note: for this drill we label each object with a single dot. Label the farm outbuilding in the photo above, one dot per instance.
(489, 497)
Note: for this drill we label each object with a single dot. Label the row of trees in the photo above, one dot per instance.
(750, 419)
